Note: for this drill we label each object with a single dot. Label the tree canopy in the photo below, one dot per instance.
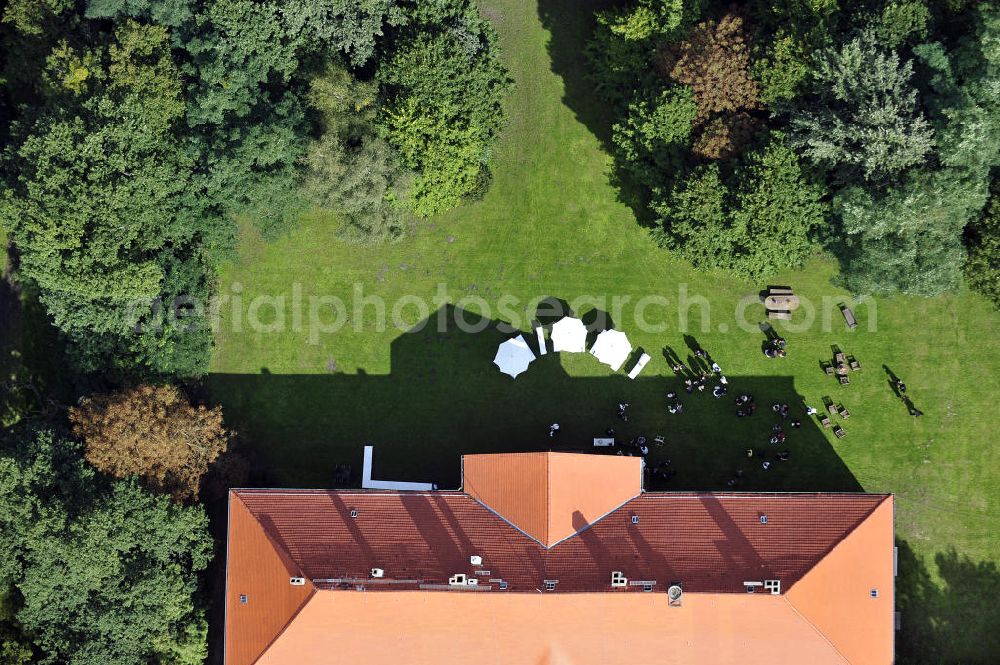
(153, 432)
(106, 572)
(154, 125)
(891, 110)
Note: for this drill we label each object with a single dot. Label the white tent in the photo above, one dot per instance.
(612, 348)
(514, 356)
(569, 334)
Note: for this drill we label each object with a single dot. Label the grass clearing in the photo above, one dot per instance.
(552, 225)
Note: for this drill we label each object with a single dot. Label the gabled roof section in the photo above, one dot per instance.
(712, 543)
(259, 570)
(551, 496)
(836, 594)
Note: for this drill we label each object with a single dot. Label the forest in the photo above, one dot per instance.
(748, 136)
(141, 138)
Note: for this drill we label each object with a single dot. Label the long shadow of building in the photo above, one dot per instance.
(443, 398)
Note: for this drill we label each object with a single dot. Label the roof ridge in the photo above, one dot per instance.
(595, 522)
(840, 540)
(291, 618)
(277, 550)
(815, 628)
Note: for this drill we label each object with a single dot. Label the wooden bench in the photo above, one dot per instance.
(825, 421)
(827, 367)
(831, 408)
(840, 358)
(852, 322)
(659, 440)
(844, 380)
(779, 291)
(782, 314)
(844, 413)
(839, 431)
(855, 365)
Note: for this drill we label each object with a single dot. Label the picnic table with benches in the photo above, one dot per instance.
(780, 302)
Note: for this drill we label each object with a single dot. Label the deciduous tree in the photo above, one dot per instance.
(153, 432)
(715, 62)
(444, 111)
(754, 226)
(107, 571)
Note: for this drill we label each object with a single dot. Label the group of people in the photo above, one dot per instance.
(745, 406)
(775, 348)
(697, 379)
(662, 470)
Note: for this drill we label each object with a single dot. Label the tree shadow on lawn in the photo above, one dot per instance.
(955, 621)
(571, 24)
(444, 398)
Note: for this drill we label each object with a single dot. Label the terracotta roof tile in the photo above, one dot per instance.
(557, 629)
(551, 496)
(710, 543)
(258, 573)
(845, 577)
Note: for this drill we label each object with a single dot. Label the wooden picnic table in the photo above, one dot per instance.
(788, 302)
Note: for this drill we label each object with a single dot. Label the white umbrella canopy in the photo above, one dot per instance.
(569, 334)
(514, 356)
(612, 348)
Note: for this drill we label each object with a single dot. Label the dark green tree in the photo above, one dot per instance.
(105, 207)
(652, 140)
(754, 226)
(862, 120)
(107, 572)
(982, 269)
(908, 236)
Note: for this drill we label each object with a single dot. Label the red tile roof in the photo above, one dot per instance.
(710, 543)
(551, 496)
(259, 598)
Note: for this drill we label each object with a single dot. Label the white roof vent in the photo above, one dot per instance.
(774, 586)
(457, 579)
(297, 581)
(378, 572)
(618, 579)
(472, 581)
(476, 560)
(674, 595)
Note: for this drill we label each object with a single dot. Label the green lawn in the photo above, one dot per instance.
(552, 225)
